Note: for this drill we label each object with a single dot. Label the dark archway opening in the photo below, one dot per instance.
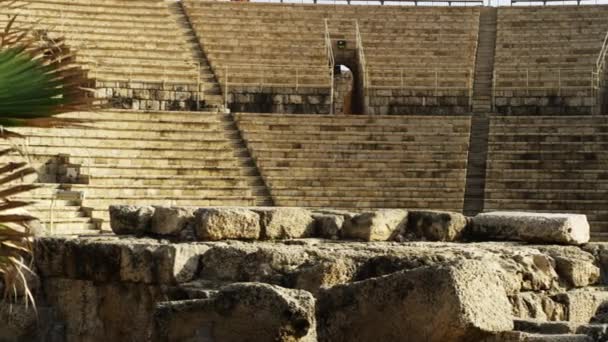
(347, 97)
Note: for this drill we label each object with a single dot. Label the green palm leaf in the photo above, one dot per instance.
(38, 79)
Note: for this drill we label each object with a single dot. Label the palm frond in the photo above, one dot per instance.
(38, 79)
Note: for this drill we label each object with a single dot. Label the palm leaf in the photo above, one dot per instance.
(38, 79)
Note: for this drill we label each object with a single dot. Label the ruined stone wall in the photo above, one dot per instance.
(286, 100)
(509, 104)
(405, 101)
(151, 96)
(383, 281)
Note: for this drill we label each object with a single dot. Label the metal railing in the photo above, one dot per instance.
(331, 63)
(361, 54)
(546, 79)
(433, 79)
(549, 81)
(274, 76)
(600, 64)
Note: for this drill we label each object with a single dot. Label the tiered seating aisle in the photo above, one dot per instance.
(136, 49)
(545, 57)
(416, 56)
(360, 161)
(551, 164)
(154, 158)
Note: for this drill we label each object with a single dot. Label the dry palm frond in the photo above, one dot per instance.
(38, 79)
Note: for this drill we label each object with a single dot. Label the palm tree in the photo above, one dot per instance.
(38, 79)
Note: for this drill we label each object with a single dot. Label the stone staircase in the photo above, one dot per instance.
(476, 165)
(143, 158)
(484, 64)
(211, 90)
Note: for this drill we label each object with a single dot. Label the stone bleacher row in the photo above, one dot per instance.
(558, 47)
(550, 164)
(170, 158)
(118, 40)
(293, 35)
(360, 161)
(138, 52)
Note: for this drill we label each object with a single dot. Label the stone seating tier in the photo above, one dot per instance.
(144, 157)
(354, 162)
(549, 164)
(294, 35)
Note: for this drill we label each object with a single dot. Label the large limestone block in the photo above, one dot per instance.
(537, 305)
(582, 304)
(240, 312)
(532, 227)
(378, 225)
(107, 259)
(129, 219)
(92, 311)
(458, 302)
(329, 226)
(435, 225)
(286, 223)
(170, 220)
(212, 224)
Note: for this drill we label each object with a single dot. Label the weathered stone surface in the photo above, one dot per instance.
(286, 223)
(440, 303)
(214, 224)
(598, 332)
(128, 219)
(240, 312)
(94, 311)
(107, 259)
(532, 305)
(329, 226)
(378, 225)
(582, 304)
(518, 336)
(435, 225)
(575, 266)
(532, 227)
(599, 250)
(170, 220)
(544, 327)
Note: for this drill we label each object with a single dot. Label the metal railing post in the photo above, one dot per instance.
(494, 90)
(297, 79)
(226, 88)
(436, 81)
(527, 82)
(200, 94)
(559, 82)
(401, 78)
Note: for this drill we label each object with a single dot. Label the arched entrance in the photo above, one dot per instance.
(347, 95)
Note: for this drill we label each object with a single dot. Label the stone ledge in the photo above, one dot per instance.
(276, 223)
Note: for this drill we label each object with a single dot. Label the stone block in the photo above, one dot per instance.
(578, 273)
(378, 225)
(286, 223)
(535, 305)
(435, 225)
(457, 302)
(532, 227)
(128, 219)
(227, 223)
(329, 226)
(239, 312)
(582, 304)
(170, 220)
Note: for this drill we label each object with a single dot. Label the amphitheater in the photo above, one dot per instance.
(323, 172)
